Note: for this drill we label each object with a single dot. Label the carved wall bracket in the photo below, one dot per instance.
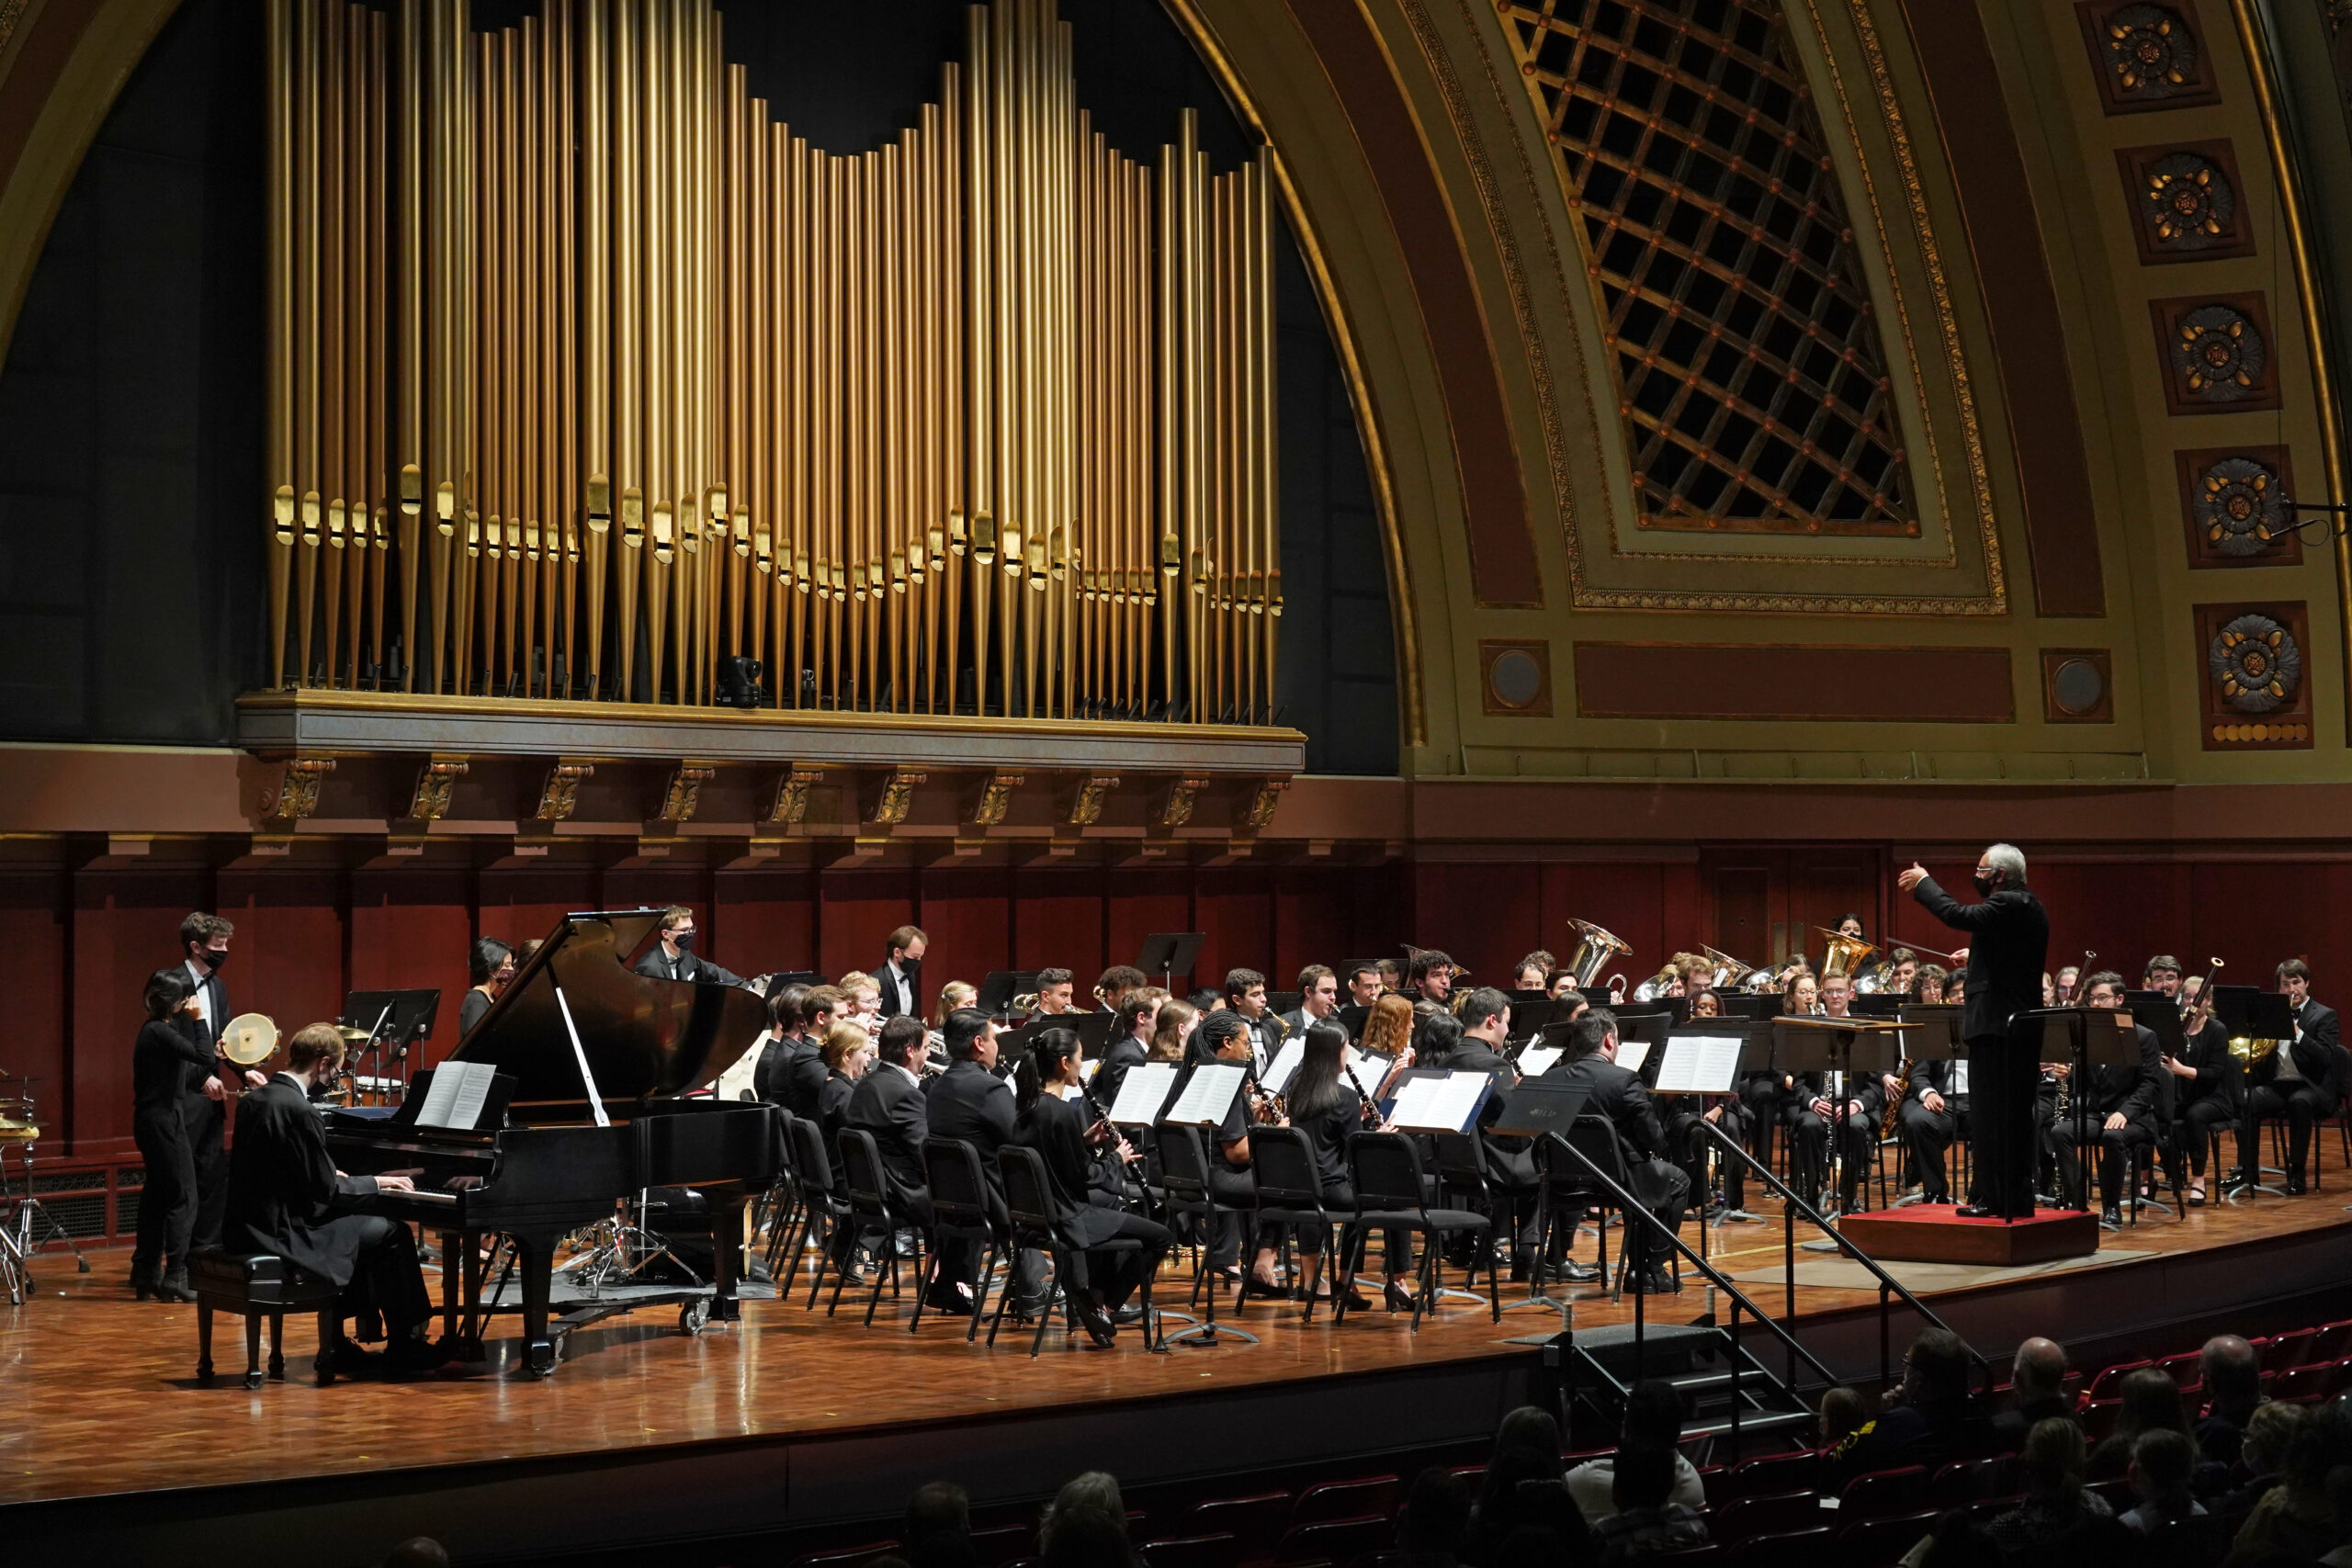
(559, 796)
(891, 796)
(789, 806)
(684, 792)
(1173, 808)
(1087, 794)
(293, 795)
(1259, 813)
(429, 802)
(994, 798)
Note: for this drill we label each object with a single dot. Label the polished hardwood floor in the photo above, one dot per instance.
(101, 1398)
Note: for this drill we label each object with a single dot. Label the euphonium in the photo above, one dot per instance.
(1595, 947)
(1845, 954)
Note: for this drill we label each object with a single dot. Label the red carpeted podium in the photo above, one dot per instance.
(1934, 1233)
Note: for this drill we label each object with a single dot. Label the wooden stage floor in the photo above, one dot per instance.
(101, 1400)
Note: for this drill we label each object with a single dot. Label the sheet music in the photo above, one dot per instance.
(1632, 1054)
(1142, 1092)
(1537, 1060)
(1960, 1075)
(459, 1093)
(1698, 1064)
(1208, 1094)
(1438, 1104)
(1276, 1079)
(744, 1075)
(1370, 1069)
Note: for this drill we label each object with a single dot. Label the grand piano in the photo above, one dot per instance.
(593, 1063)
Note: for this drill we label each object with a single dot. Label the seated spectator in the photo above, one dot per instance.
(2058, 1521)
(1935, 1419)
(417, 1552)
(1653, 1419)
(2161, 1460)
(2231, 1375)
(1844, 1412)
(1955, 1541)
(2297, 1518)
(2151, 1402)
(1524, 1493)
(1432, 1522)
(2037, 1392)
(2269, 1432)
(938, 1531)
(1086, 1525)
(1646, 1521)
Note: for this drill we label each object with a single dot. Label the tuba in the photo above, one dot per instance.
(1845, 954)
(1595, 948)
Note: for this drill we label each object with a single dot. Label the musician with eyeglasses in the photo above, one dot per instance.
(2303, 1080)
(2008, 947)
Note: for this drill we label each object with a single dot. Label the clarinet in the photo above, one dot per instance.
(1370, 1110)
(1094, 1108)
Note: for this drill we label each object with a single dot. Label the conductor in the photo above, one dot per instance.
(2010, 935)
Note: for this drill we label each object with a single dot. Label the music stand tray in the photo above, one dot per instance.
(1171, 954)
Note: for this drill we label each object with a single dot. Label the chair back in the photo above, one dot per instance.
(1595, 1137)
(959, 1185)
(1386, 1170)
(862, 1174)
(1028, 1195)
(1281, 1165)
(811, 1163)
(1184, 1163)
(1461, 1161)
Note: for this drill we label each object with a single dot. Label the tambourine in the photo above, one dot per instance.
(249, 1039)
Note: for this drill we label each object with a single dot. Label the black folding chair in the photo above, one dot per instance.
(873, 1206)
(1386, 1168)
(1028, 1201)
(961, 1202)
(1290, 1194)
(1595, 1137)
(1184, 1179)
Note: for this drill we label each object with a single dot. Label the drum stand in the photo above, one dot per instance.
(27, 1227)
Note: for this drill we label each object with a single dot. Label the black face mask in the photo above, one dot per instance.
(215, 959)
(1984, 883)
(686, 941)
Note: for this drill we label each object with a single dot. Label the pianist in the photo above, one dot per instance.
(674, 957)
(282, 1187)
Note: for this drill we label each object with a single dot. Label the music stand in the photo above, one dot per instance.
(395, 1021)
(998, 986)
(1542, 1109)
(1709, 1079)
(2249, 1012)
(1351, 1017)
(1170, 952)
(2089, 1037)
(1839, 1046)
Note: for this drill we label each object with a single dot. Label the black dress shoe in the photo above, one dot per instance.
(144, 1278)
(940, 1297)
(409, 1354)
(1975, 1211)
(173, 1287)
(2110, 1215)
(1098, 1327)
(1575, 1273)
(1399, 1298)
(1656, 1282)
(1022, 1309)
(2295, 1188)
(1128, 1316)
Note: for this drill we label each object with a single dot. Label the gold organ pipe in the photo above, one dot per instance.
(441, 79)
(662, 372)
(283, 75)
(410, 332)
(566, 497)
(631, 70)
(307, 389)
(374, 70)
(330, 256)
(1263, 426)
(515, 306)
(737, 256)
(598, 113)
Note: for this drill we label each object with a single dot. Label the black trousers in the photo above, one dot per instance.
(1118, 1275)
(2002, 1082)
(167, 1201)
(209, 1157)
(1239, 1190)
(1396, 1245)
(1683, 1132)
(1811, 1152)
(2300, 1103)
(2114, 1147)
(2199, 1126)
(1929, 1135)
(386, 1277)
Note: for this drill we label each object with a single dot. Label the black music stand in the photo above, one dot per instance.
(1843, 1047)
(1170, 952)
(394, 1021)
(998, 986)
(1932, 1033)
(1754, 1038)
(2249, 1012)
(1542, 1109)
(1528, 1017)
(2086, 1037)
(1351, 1019)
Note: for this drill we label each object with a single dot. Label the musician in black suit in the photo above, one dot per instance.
(167, 1052)
(204, 948)
(1084, 1178)
(1130, 1043)
(791, 1071)
(674, 957)
(972, 1102)
(1319, 998)
(1929, 1122)
(889, 1103)
(283, 1187)
(900, 976)
(490, 964)
(1616, 1093)
(1245, 994)
(2115, 1107)
(2009, 944)
(2304, 1080)
(1854, 1111)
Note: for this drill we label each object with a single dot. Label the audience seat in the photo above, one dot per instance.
(1795, 1549)
(1965, 1481)
(1775, 1474)
(1192, 1552)
(1751, 1517)
(2108, 1382)
(1879, 1543)
(845, 1557)
(2288, 1351)
(1346, 1500)
(1334, 1540)
(1257, 1522)
(1882, 1493)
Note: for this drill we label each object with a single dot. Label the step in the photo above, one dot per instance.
(1771, 1421)
(1750, 1379)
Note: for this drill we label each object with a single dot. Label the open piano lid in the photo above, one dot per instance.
(643, 1037)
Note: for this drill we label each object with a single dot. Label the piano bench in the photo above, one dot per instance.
(255, 1285)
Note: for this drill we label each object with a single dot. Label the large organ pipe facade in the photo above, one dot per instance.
(588, 375)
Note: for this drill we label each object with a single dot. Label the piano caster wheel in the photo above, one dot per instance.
(693, 1317)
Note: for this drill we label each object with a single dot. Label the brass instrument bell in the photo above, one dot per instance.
(1845, 954)
(249, 1039)
(1595, 947)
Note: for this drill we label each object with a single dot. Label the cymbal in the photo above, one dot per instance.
(249, 1039)
(354, 1036)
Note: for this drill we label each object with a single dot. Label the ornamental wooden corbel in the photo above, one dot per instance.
(892, 795)
(559, 793)
(683, 794)
(789, 807)
(293, 793)
(429, 801)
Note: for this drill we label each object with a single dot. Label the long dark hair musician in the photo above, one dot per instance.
(169, 1064)
(1326, 1109)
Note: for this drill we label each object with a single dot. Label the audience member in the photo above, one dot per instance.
(2269, 1432)
(1934, 1420)
(2231, 1374)
(1955, 1540)
(1086, 1525)
(939, 1526)
(2151, 1402)
(1844, 1412)
(1432, 1522)
(2297, 1518)
(2161, 1460)
(2037, 1392)
(2058, 1520)
(1647, 1521)
(417, 1552)
(1653, 1420)
(1524, 1494)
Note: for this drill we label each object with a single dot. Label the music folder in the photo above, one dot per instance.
(1541, 1106)
(1529, 1017)
(1437, 1100)
(1700, 1063)
(1351, 1019)
(2102, 1036)
(1143, 1092)
(998, 986)
(1206, 1096)
(2248, 1012)
(1283, 1067)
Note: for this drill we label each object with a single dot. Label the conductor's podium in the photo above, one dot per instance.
(1934, 1233)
